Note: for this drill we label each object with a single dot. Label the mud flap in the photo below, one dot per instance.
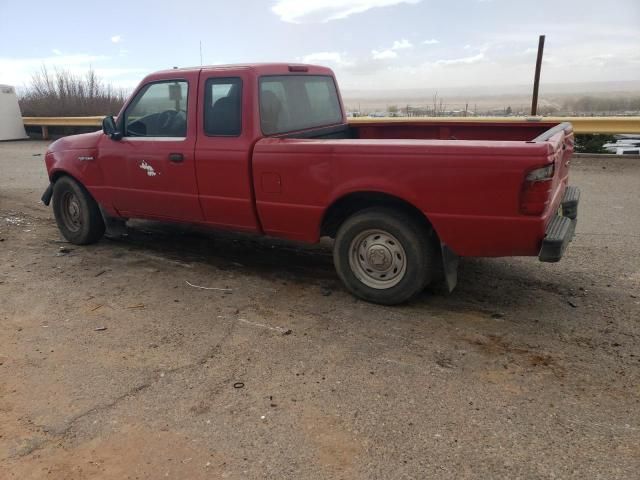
(46, 196)
(114, 227)
(449, 267)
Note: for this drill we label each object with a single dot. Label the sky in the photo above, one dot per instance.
(371, 44)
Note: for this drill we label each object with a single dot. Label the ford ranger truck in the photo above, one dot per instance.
(267, 149)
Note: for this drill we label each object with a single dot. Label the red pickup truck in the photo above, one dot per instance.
(267, 149)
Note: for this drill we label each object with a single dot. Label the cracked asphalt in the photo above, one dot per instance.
(113, 367)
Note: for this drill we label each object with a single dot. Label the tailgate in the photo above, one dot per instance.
(561, 143)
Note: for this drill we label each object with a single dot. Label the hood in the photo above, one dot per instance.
(75, 142)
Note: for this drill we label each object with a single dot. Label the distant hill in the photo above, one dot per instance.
(482, 99)
(496, 90)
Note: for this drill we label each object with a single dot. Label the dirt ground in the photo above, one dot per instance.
(112, 366)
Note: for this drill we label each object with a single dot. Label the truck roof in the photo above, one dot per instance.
(257, 68)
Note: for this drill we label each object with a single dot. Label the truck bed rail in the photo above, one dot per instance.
(543, 137)
(609, 125)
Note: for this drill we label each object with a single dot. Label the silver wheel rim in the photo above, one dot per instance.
(71, 211)
(377, 259)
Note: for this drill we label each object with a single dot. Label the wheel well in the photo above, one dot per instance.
(59, 174)
(346, 206)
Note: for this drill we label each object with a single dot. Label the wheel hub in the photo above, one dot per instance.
(377, 259)
(74, 210)
(71, 212)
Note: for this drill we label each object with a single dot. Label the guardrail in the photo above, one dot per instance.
(45, 122)
(608, 125)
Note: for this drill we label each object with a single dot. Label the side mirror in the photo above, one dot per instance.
(109, 128)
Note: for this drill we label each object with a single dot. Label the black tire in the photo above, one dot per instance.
(417, 246)
(77, 213)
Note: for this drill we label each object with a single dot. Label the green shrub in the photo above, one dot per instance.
(592, 143)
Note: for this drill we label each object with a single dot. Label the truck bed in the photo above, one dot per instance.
(465, 178)
(418, 129)
(435, 130)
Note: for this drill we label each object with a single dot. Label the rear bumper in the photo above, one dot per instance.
(560, 230)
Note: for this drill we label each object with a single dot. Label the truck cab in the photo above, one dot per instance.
(184, 124)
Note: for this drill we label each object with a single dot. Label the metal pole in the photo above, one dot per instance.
(536, 79)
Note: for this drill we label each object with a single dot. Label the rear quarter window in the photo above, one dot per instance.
(297, 102)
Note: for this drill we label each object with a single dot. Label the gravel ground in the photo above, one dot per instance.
(112, 366)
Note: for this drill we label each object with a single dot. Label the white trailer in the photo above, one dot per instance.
(11, 126)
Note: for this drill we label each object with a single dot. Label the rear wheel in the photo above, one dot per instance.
(77, 213)
(384, 256)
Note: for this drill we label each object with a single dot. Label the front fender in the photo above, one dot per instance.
(83, 165)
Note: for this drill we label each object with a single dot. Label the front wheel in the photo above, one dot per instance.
(384, 256)
(77, 213)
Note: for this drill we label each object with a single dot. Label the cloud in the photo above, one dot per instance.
(391, 52)
(464, 60)
(328, 57)
(574, 52)
(125, 78)
(56, 51)
(482, 47)
(431, 41)
(58, 60)
(383, 54)
(21, 70)
(117, 39)
(305, 11)
(401, 44)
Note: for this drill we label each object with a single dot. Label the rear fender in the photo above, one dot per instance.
(379, 187)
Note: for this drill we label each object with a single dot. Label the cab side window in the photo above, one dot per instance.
(223, 107)
(159, 110)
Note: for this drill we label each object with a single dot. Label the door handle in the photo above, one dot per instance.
(176, 157)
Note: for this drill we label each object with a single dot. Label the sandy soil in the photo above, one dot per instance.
(112, 366)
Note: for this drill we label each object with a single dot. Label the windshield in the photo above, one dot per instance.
(297, 102)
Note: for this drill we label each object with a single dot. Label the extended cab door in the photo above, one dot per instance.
(224, 147)
(151, 170)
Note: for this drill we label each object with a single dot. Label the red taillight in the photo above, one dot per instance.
(536, 190)
(298, 68)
